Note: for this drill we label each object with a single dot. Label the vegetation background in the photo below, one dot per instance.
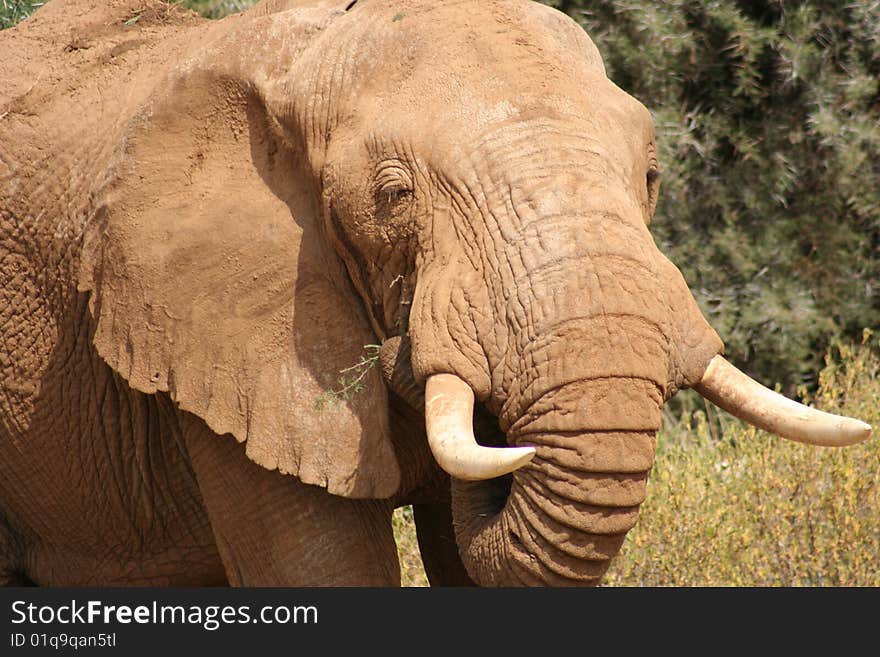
(768, 125)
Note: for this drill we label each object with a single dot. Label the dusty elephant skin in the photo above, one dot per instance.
(202, 224)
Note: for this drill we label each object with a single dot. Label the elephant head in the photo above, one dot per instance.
(459, 181)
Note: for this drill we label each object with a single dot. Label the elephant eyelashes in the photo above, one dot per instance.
(395, 195)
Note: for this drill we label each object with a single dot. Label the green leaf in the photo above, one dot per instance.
(134, 19)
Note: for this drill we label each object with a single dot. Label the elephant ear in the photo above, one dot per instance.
(211, 280)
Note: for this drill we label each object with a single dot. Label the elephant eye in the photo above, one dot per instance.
(652, 181)
(653, 184)
(394, 193)
(653, 177)
(393, 185)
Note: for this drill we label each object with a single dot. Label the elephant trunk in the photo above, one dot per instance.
(562, 517)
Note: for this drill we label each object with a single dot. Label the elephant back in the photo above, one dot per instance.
(73, 76)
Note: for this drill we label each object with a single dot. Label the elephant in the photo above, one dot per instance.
(268, 278)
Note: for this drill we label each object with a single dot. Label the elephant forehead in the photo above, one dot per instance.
(466, 54)
(482, 26)
(598, 285)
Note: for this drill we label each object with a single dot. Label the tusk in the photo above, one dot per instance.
(449, 413)
(738, 394)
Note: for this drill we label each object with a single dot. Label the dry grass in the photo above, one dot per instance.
(217, 8)
(412, 573)
(732, 506)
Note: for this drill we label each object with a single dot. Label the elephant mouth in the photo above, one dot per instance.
(474, 419)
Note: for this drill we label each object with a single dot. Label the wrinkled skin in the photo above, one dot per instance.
(203, 223)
